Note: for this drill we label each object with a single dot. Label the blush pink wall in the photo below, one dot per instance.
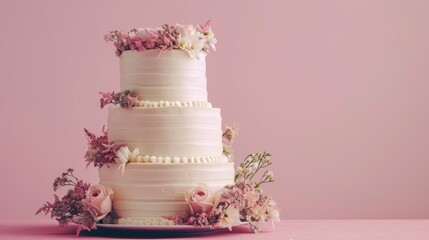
(338, 91)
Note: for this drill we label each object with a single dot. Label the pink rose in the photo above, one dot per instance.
(200, 199)
(99, 200)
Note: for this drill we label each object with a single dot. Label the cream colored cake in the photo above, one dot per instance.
(176, 130)
(164, 158)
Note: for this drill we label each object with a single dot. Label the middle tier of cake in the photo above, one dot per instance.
(168, 131)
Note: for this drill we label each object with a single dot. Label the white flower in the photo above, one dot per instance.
(124, 155)
(191, 40)
(193, 44)
(185, 30)
(274, 215)
(270, 174)
(259, 213)
(231, 217)
(271, 203)
(210, 38)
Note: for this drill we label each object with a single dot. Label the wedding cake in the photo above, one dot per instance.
(173, 130)
(164, 158)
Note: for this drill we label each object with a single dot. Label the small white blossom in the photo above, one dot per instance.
(231, 217)
(210, 38)
(259, 213)
(193, 44)
(274, 215)
(185, 30)
(124, 156)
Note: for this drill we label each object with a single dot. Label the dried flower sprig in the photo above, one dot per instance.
(67, 179)
(71, 208)
(252, 164)
(124, 99)
(100, 151)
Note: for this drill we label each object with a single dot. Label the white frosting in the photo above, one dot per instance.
(155, 159)
(181, 132)
(157, 190)
(171, 123)
(168, 76)
(148, 104)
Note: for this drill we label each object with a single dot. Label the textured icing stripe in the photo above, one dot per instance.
(174, 160)
(171, 76)
(149, 104)
(168, 131)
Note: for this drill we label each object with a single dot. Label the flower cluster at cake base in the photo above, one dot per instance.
(243, 201)
(84, 205)
(192, 39)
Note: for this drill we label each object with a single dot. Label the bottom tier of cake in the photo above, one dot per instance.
(147, 192)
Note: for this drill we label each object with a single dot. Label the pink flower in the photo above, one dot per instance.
(99, 200)
(200, 199)
(204, 27)
(100, 151)
(228, 135)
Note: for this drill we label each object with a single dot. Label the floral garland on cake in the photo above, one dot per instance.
(192, 39)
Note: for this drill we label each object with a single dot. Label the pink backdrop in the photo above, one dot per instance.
(338, 91)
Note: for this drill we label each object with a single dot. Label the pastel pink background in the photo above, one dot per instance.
(338, 91)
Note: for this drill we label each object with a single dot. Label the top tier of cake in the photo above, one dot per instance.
(168, 76)
(171, 121)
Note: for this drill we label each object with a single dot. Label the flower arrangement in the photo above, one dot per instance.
(84, 205)
(100, 151)
(124, 99)
(192, 39)
(241, 202)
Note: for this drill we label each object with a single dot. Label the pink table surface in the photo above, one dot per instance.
(285, 230)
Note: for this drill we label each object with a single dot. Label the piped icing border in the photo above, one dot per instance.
(125, 100)
(149, 104)
(145, 221)
(178, 160)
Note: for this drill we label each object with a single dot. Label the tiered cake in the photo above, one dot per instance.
(175, 129)
(164, 159)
